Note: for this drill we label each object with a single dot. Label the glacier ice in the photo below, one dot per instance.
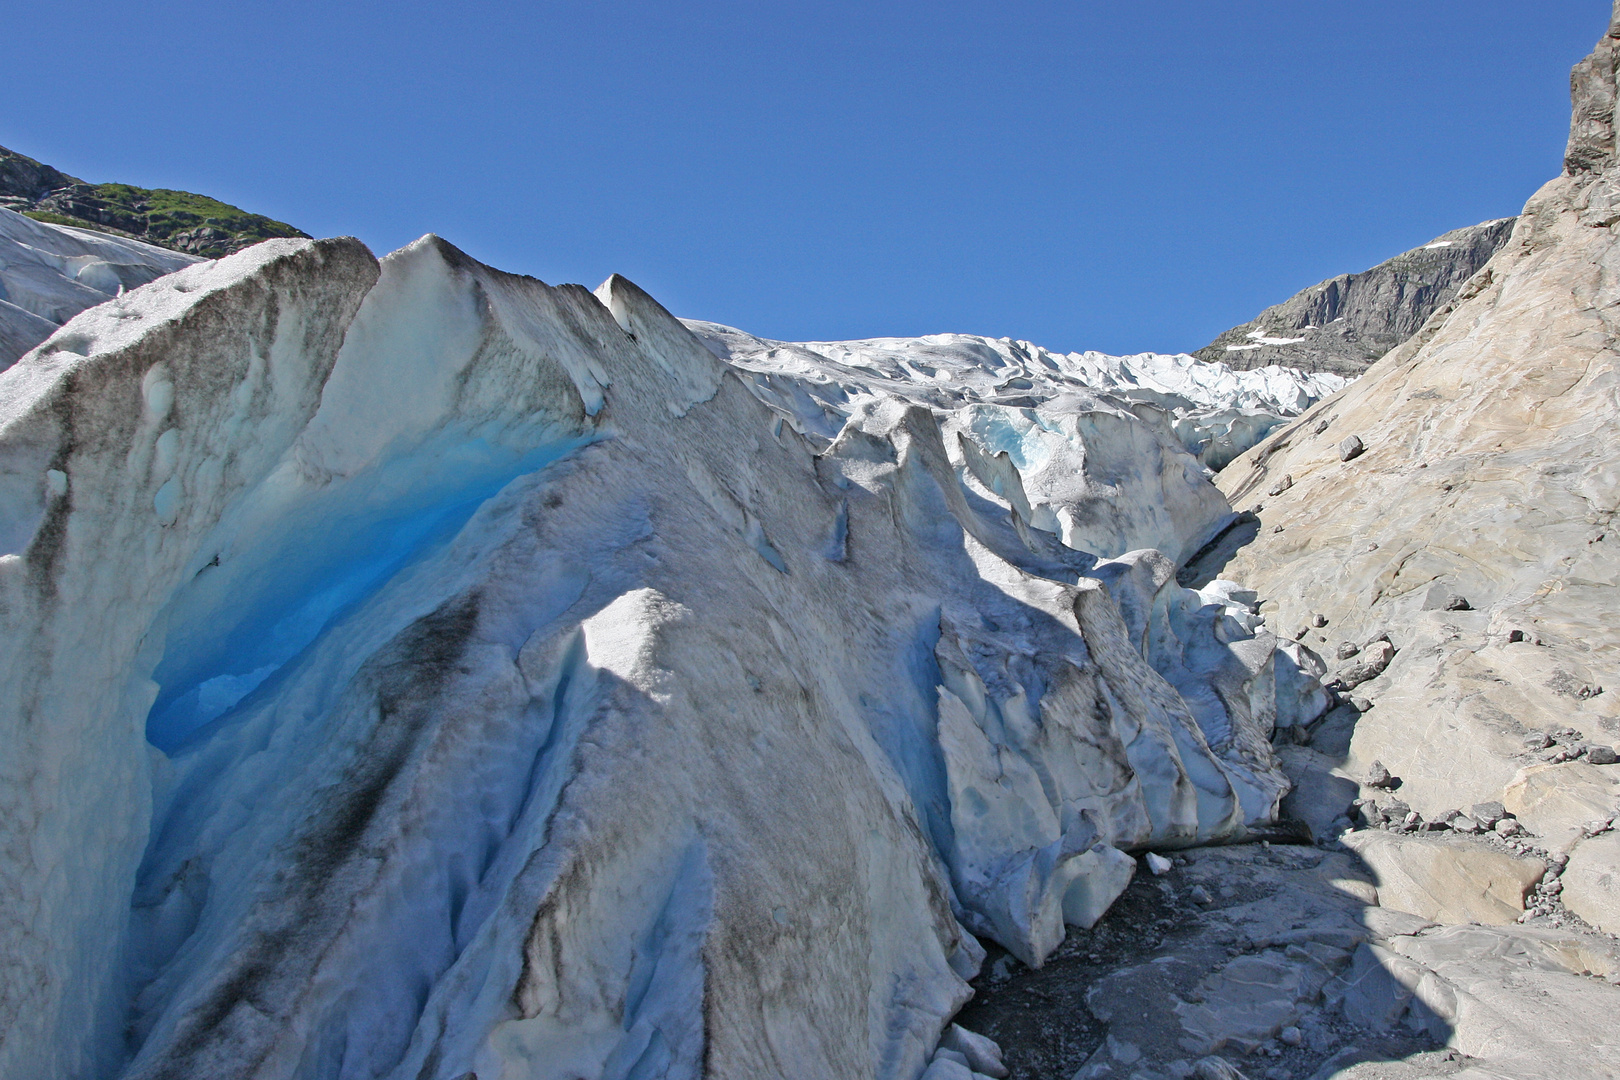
(417, 670)
(1215, 411)
(50, 273)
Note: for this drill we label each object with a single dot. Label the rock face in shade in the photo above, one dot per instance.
(1344, 324)
(1477, 529)
(50, 273)
(416, 670)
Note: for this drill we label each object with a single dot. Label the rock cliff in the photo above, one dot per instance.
(1344, 324)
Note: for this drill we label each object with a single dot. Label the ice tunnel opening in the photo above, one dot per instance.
(297, 561)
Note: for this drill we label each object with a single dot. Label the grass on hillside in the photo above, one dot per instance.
(168, 212)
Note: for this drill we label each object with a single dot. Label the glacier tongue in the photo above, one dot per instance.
(1215, 411)
(419, 670)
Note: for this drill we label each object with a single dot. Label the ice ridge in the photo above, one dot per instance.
(1215, 411)
(416, 670)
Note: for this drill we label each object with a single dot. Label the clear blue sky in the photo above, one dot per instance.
(1121, 175)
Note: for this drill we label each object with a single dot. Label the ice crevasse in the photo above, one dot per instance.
(416, 670)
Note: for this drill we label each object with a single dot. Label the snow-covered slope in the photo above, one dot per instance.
(415, 670)
(1215, 411)
(50, 273)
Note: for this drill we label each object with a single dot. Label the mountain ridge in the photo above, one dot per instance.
(179, 220)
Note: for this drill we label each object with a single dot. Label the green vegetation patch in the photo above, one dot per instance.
(168, 212)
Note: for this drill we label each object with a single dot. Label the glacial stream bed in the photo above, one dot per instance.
(1160, 952)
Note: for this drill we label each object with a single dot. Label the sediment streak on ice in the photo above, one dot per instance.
(419, 670)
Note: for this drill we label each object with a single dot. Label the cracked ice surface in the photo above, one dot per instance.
(415, 670)
(1215, 411)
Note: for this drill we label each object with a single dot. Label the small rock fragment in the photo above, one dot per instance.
(1361, 704)
(1158, 863)
(1516, 635)
(1464, 824)
(1602, 755)
(1318, 620)
(1216, 1068)
(1282, 485)
(1347, 649)
(1379, 777)
(1458, 603)
(1276, 528)
(1351, 448)
(1488, 813)
(1321, 426)
(1200, 896)
(1508, 827)
(1292, 1036)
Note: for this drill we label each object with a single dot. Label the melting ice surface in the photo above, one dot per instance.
(305, 558)
(538, 681)
(1216, 411)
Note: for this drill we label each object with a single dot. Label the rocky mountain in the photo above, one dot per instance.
(178, 220)
(1344, 324)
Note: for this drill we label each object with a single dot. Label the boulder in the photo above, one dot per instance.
(1450, 881)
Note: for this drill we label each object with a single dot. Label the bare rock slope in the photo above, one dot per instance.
(1442, 534)
(1344, 324)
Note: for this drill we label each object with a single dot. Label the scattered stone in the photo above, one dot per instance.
(1276, 528)
(1351, 448)
(1458, 603)
(1158, 864)
(1318, 620)
(1488, 813)
(1602, 755)
(1375, 657)
(1516, 635)
(1200, 895)
(1537, 740)
(1216, 1068)
(1361, 704)
(1292, 1036)
(1347, 649)
(1464, 824)
(1281, 486)
(1508, 827)
(1379, 777)
(1321, 426)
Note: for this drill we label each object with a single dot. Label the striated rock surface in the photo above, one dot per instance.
(1344, 324)
(1475, 532)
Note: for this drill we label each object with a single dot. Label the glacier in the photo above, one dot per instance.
(49, 273)
(421, 671)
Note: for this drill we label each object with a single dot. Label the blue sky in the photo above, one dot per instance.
(1123, 175)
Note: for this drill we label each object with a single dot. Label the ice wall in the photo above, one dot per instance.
(1215, 411)
(415, 670)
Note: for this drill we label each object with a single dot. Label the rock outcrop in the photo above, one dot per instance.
(1476, 532)
(178, 220)
(1344, 324)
